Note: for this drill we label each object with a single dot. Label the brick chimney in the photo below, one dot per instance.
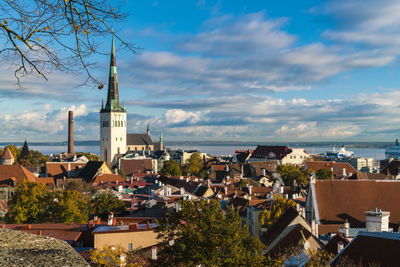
(133, 226)
(70, 132)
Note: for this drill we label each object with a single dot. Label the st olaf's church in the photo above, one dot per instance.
(114, 140)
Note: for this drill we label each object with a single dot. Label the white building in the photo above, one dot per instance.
(393, 151)
(297, 156)
(112, 119)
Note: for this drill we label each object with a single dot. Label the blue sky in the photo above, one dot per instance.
(233, 70)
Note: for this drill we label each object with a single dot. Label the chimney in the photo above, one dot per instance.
(110, 218)
(69, 170)
(182, 190)
(40, 232)
(344, 172)
(340, 246)
(250, 187)
(115, 171)
(225, 190)
(153, 252)
(346, 229)
(148, 225)
(171, 242)
(133, 226)
(70, 132)
(281, 189)
(377, 220)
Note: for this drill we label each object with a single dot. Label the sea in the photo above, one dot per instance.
(217, 150)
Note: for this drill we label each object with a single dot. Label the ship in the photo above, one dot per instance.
(339, 154)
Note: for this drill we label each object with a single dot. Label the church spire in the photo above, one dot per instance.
(112, 103)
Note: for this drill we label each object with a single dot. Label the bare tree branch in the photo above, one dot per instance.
(41, 36)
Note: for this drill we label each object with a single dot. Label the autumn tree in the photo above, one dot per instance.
(171, 168)
(70, 207)
(291, 173)
(45, 35)
(205, 235)
(105, 203)
(29, 204)
(116, 256)
(324, 174)
(34, 203)
(194, 164)
(278, 207)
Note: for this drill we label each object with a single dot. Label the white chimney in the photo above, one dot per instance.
(377, 220)
(168, 191)
(346, 228)
(250, 187)
(110, 218)
(340, 246)
(153, 252)
(225, 190)
(281, 189)
(171, 242)
(314, 228)
(344, 172)
(182, 190)
(69, 170)
(263, 171)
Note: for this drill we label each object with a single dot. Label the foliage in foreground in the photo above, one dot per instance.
(34, 203)
(206, 235)
(291, 173)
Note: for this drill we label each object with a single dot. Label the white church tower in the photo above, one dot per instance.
(112, 119)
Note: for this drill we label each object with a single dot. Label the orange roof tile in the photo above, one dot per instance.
(17, 171)
(7, 154)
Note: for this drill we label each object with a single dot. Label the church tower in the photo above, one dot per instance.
(112, 119)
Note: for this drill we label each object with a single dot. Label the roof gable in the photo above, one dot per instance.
(138, 140)
(7, 154)
(271, 152)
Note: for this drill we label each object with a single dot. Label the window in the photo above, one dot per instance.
(116, 138)
(120, 139)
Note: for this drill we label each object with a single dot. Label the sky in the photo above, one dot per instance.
(268, 71)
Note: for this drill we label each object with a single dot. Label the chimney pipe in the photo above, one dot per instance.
(70, 132)
(154, 253)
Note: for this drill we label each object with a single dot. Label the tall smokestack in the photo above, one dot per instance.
(70, 131)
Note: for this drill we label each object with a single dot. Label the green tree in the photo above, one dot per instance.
(171, 168)
(34, 203)
(206, 235)
(279, 206)
(29, 204)
(290, 173)
(105, 203)
(194, 164)
(89, 155)
(324, 174)
(70, 207)
(35, 158)
(319, 258)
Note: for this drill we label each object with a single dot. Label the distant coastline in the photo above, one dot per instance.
(337, 144)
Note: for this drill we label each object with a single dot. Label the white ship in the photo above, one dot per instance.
(339, 154)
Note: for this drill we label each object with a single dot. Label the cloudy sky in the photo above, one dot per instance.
(233, 70)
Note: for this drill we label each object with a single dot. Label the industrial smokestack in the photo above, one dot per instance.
(70, 131)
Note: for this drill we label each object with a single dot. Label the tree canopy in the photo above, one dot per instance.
(171, 168)
(34, 203)
(324, 174)
(45, 35)
(194, 164)
(290, 173)
(105, 203)
(206, 235)
(279, 206)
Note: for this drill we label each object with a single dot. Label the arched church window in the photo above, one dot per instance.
(120, 139)
(116, 138)
(122, 124)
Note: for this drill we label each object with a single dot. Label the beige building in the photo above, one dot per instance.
(130, 237)
(297, 156)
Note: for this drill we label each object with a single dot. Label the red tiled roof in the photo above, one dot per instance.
(18, 171)
(336, 166)
(60, 169)
(105, 178)
(349, 199)
(132, 166)
(68, 236)
(46, 180)
(216, 167)
(7, 154)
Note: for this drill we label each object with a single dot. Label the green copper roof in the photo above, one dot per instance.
(113, 103)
